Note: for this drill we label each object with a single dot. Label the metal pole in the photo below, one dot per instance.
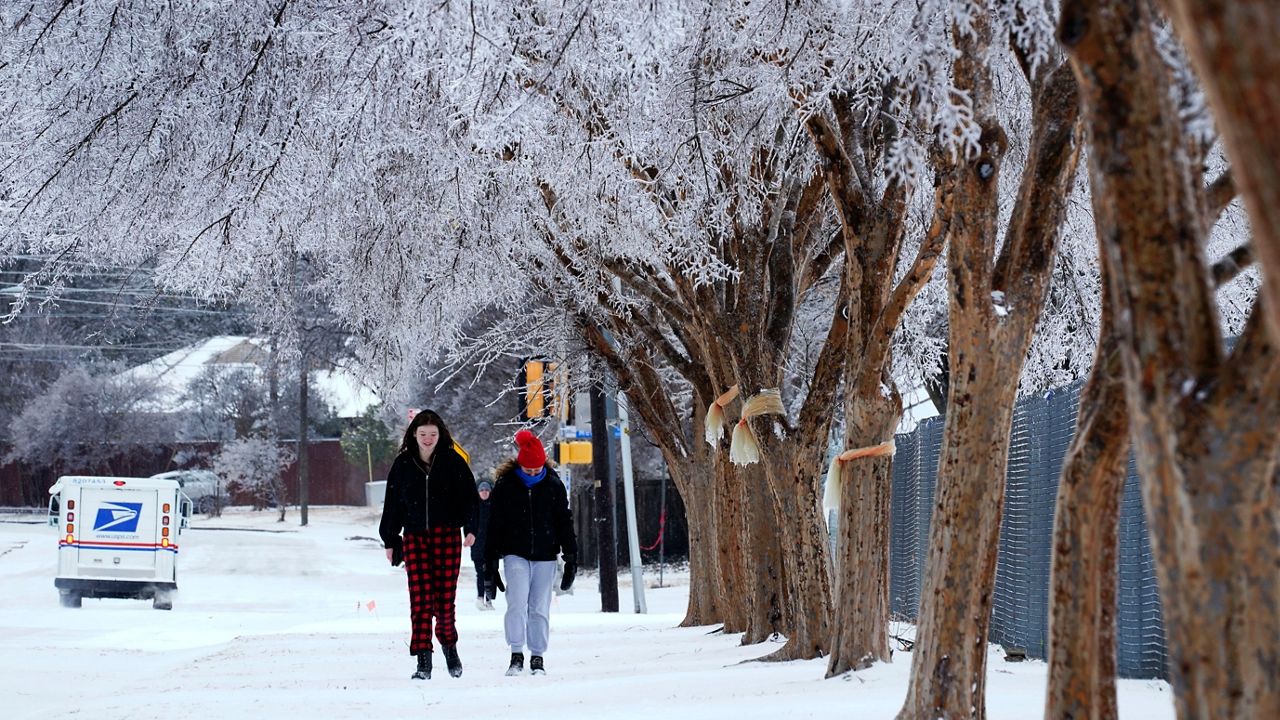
(662, 535)
(304, 443)
(606, 536)
(629, 492)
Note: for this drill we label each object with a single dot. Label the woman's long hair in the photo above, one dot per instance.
(426, 417)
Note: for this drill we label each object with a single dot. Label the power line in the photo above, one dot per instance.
(43, 346)
(196, 311)
(110, 290)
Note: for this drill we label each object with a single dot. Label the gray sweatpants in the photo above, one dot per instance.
(528, 616)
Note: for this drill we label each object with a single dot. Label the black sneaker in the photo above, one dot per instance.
(452, 660)
(535, 665)
(424, 667)
(517, 664)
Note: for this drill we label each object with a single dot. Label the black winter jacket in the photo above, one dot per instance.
(415, 500)
(481, 525)
(533, 523)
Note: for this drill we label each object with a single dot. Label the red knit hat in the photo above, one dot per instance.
(531, 454)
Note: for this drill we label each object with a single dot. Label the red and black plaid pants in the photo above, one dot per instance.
(432, 560)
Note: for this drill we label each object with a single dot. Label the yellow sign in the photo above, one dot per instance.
(575, 452)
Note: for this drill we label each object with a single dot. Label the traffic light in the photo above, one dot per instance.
(537, 380)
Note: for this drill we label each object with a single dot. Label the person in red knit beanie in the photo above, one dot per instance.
(529, 524)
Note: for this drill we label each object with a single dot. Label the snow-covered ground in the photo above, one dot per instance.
(273, 621)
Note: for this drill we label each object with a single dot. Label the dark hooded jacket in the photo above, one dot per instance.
(415, 500)
(531, 522)
(481, 525)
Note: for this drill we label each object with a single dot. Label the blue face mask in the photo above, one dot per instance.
(530, 480)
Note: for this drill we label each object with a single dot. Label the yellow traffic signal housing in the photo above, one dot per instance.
(538, 384)
(575, 452)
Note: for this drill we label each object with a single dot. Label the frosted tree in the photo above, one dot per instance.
(1203, 419)
(90, 420)
(997, 288)
(256, 466)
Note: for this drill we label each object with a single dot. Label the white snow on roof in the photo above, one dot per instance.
(174, 372)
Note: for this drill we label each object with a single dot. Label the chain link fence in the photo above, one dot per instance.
(1042, 430)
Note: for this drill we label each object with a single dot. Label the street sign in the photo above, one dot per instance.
(573, 432)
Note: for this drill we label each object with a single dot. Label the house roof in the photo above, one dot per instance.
(174, 372)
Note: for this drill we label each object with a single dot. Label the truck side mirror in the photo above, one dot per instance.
(184, 509)
(53, 511)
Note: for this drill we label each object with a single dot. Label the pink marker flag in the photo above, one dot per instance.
(372, 605)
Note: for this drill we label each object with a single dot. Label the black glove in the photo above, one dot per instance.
(397, 555)
(570, 569)
(492, 578)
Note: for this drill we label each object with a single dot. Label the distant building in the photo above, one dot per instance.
(340, 388)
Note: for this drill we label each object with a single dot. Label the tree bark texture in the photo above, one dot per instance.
(734, 549)
(995, 302)
(792, 473)
(861, 591)
(1204, 424)
(768, 603)
(706, 591)
(1084, 578)
(872, 229)
(1233, 45)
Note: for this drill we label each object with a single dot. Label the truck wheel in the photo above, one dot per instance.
(69, 598)
(162, 601)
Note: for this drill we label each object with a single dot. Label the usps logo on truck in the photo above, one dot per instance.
(121, 517)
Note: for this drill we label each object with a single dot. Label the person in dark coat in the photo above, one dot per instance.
(484, 588)
(529, 524)
(430, 503)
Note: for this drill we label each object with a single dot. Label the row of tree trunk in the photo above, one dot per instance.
(1203, 421)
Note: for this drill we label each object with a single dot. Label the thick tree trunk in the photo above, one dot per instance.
(793, 474)
(1204, 426)
(862, 564)
(706, 590)
(1082, 605)
(767, 599)
(994, 304)
(1233, 46)
(950, 658)
(734, 550)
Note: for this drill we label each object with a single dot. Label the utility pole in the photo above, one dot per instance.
(303, 442)
(606, 536)
(629, 492)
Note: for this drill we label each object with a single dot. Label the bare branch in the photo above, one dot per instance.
(1231, 265)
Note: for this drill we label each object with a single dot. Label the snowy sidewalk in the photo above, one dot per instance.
(279, 624)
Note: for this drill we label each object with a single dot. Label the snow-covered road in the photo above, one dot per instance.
(273, 621)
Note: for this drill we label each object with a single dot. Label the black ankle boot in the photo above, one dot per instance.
(535, 666)
(452, 660)
(517, 664)
(424, 666)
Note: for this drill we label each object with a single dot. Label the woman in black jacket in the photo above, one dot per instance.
(529, 524)
(431, 494)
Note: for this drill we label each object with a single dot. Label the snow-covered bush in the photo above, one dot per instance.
(254, 466)
(89, 422)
